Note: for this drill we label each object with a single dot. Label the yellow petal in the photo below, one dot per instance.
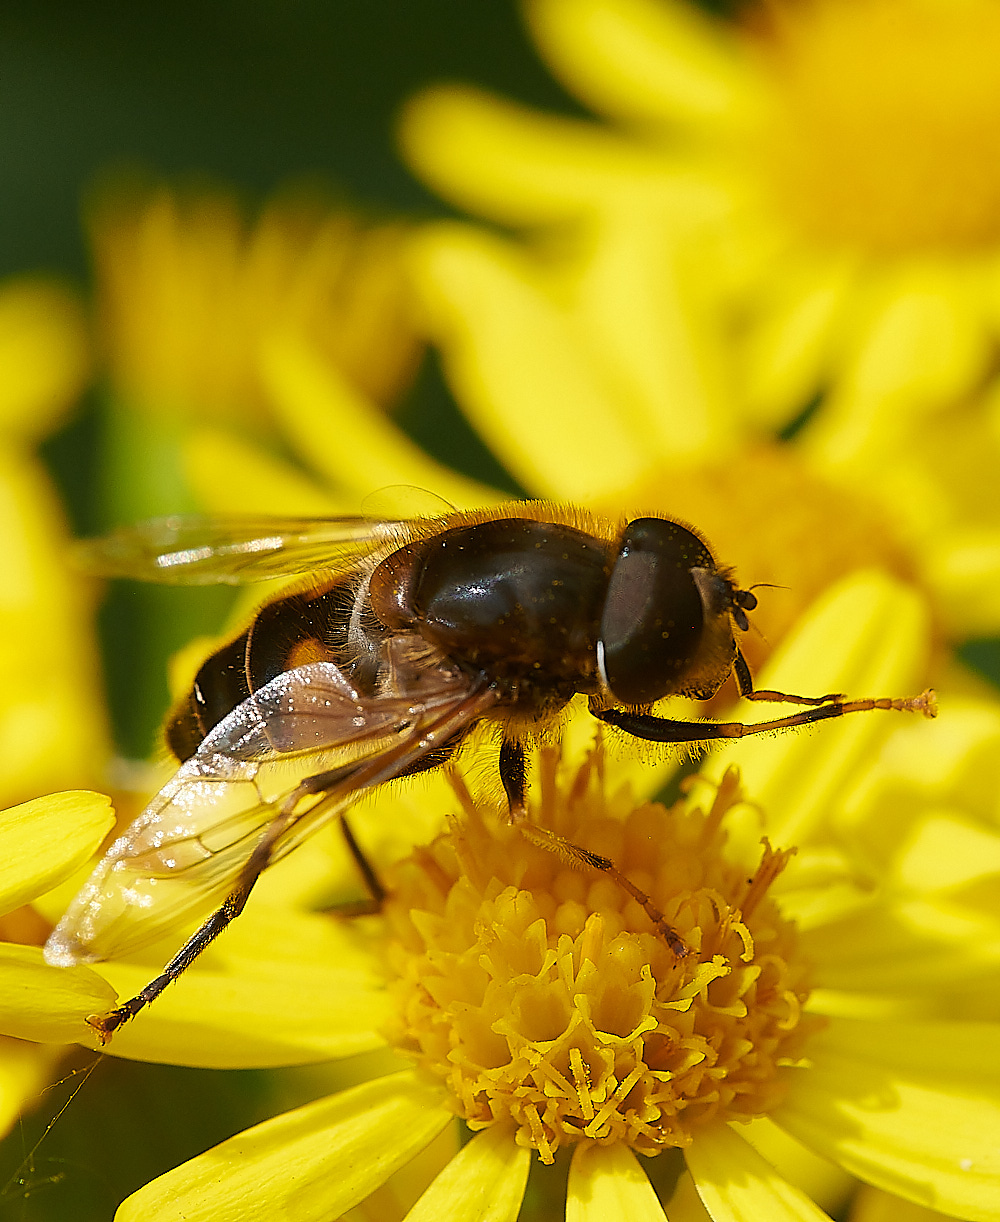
(653, 63)
(509, 163)
(882, 950)
(51, 721)
(310, 1165)
(25, 1069)
(606, 1182)
(790, 349)
(391, 1200)
(913, 1108)
(229, 474)
(44, 841)
(871, 1205)
(685, 1204)
(922, 345)
(822, 1181)
(43, 354)
(280, 987)
(737, 1185)
(345, 436)
(946, 850)
(639, 301)
(954, 761)
(483, 1183)
(48, 1004)
(522, 376)
(866, 636)
(217, 1021)
(963, 568)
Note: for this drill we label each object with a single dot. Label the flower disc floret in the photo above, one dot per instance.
(541, 993)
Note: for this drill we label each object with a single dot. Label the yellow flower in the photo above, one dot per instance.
(44, 841)
(542, 1007)
(801, 208)
(52, 732)
(215, 330)
(528, 989)
(190, 291)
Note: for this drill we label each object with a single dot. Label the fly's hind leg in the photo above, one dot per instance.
(372, 904)
(333, 790)
(373, 901)
(106, 1024)
(286, 815)
(513, 776)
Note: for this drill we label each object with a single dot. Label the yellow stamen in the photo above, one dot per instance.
(544, 994)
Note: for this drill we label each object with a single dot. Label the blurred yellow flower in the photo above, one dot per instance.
(192, 294)
(548, 1013)
(218, 332)
(190, 291)
(45, 355)
(52, 730)
(802, 206)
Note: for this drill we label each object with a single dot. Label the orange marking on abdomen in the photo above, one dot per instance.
(310, 650)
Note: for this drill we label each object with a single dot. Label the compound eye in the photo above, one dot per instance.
(653, 617)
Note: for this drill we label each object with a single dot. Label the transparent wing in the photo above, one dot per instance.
(185, 852)
(210, 550)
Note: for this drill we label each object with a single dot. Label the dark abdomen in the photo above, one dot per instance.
(310, 626)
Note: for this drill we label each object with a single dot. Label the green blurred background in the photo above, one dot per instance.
(252, 93)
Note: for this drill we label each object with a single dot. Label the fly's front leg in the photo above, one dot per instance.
(744, 681)
(662, 730)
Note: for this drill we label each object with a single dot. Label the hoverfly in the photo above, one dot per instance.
(402, 636)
